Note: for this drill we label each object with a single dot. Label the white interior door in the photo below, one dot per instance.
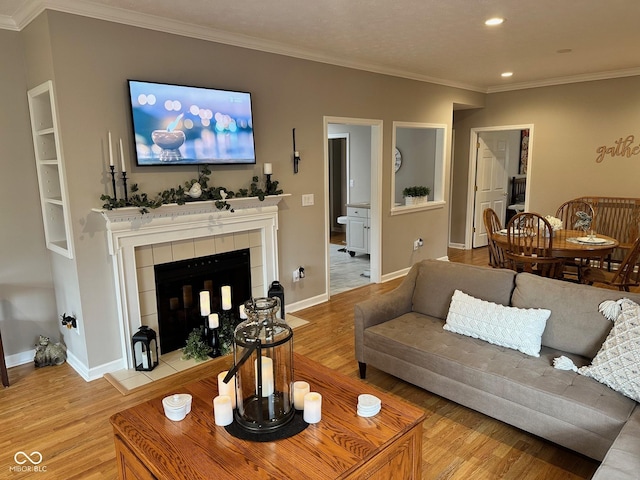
(491, 182)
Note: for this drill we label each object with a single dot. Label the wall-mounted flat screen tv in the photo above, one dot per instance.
(181, 125)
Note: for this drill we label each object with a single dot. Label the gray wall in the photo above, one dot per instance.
(27, 302)
(89, 61)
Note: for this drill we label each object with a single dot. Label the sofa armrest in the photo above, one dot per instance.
(622, 460)
(383, 308)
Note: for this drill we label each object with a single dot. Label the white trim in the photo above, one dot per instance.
(473, 141)
(306, 303)
(20, 358)
(457, 245)
(375, 239)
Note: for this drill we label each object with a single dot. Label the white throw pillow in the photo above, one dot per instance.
(517, 328)
(617, 364)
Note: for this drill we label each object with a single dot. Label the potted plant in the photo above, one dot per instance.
(415, 195)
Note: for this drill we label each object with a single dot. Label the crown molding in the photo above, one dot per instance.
(588, 77)
(8, 23)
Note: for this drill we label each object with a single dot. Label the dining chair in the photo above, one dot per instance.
(625, 276)
(530, 246)
(3, 366)
(492, 225)
(576, 214)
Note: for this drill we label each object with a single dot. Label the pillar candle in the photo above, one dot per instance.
(226, 297)
(110, 151)
(268, 169)
(300, 389)
(205, 303)
(214, 321)
(187, 298)
(312, 407)
(228, 389)
(267, 376)
(174, 303)
(124, 169)
(222, 410)
(243, 313)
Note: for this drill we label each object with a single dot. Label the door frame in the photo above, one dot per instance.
(473, 141)
(375, 246)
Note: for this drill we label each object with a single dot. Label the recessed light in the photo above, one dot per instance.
(494, 21)
(506, 74)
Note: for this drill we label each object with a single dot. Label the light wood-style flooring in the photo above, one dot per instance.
(53, 411)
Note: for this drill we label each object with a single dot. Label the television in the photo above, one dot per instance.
(182, 125)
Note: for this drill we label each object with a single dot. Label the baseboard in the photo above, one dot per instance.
(309, 302)
(459, 246)
(393, 275)
(91, 374)
(21, 358)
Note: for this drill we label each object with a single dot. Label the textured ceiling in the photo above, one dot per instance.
(444, 41)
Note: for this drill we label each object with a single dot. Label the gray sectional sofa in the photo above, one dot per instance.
(402, 333)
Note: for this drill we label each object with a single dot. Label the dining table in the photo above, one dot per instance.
(571, 244)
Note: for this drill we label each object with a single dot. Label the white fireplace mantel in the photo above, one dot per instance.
(128, 228)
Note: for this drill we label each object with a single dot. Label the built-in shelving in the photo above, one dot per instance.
(50, 170)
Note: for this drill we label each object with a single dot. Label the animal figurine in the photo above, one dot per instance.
(48, 353)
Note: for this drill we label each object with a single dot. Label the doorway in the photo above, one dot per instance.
(499, 158)
(353, 185)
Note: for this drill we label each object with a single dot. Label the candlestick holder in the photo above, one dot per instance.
(113, 181)
(268, 183)
(124, 181)
(213, 340)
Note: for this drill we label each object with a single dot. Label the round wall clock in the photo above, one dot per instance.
(398, 160)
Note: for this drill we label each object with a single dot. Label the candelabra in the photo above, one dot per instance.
(124, 181)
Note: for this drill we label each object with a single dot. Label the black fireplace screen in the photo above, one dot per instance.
(178, 285)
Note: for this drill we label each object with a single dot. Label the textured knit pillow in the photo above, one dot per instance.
(517, 328)
(617, 364)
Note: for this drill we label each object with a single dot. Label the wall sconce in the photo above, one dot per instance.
(296, 154)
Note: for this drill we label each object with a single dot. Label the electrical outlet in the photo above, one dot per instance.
(296, 275)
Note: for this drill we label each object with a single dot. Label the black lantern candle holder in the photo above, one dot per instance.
(145, 349)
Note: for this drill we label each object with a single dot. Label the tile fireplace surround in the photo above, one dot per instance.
(169, 233)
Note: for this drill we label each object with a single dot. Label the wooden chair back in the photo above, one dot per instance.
(626, 274)
(497, 258)
(3, 366)
(530, 245)
(571, 214)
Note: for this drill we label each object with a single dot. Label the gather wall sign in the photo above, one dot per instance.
(621, 148)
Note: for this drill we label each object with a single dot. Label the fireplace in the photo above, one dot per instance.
(178, 285)
(139, 242)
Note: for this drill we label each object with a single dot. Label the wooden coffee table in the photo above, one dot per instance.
(343, 445)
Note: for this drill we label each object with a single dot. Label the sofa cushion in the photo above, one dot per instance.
(617, 364)
(437, 280)
(511, 327)
(524, 380)
(575, 325)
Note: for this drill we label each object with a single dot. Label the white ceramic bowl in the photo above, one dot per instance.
(177, 406)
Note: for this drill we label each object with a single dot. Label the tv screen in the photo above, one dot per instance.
(181, 125)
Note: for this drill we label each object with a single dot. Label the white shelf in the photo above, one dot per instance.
(50, 170)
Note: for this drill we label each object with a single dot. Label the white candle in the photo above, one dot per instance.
(174, 303)
(268, 169)
(124, 169)
(312, 407)
(214, 321)
(300, 389)
(228, 389)
(205, 303)
(243, 313)
(110, 151)
(267, 376)
(222, 410)
(226, 297)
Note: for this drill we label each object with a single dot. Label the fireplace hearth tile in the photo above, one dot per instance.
(162, 253)
(182, 250)
(144, 256)
(203, 247)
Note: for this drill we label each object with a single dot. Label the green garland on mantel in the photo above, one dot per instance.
(180, 194)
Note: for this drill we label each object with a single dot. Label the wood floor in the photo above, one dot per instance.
(53, 411)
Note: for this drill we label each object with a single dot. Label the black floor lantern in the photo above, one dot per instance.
(145, 349)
